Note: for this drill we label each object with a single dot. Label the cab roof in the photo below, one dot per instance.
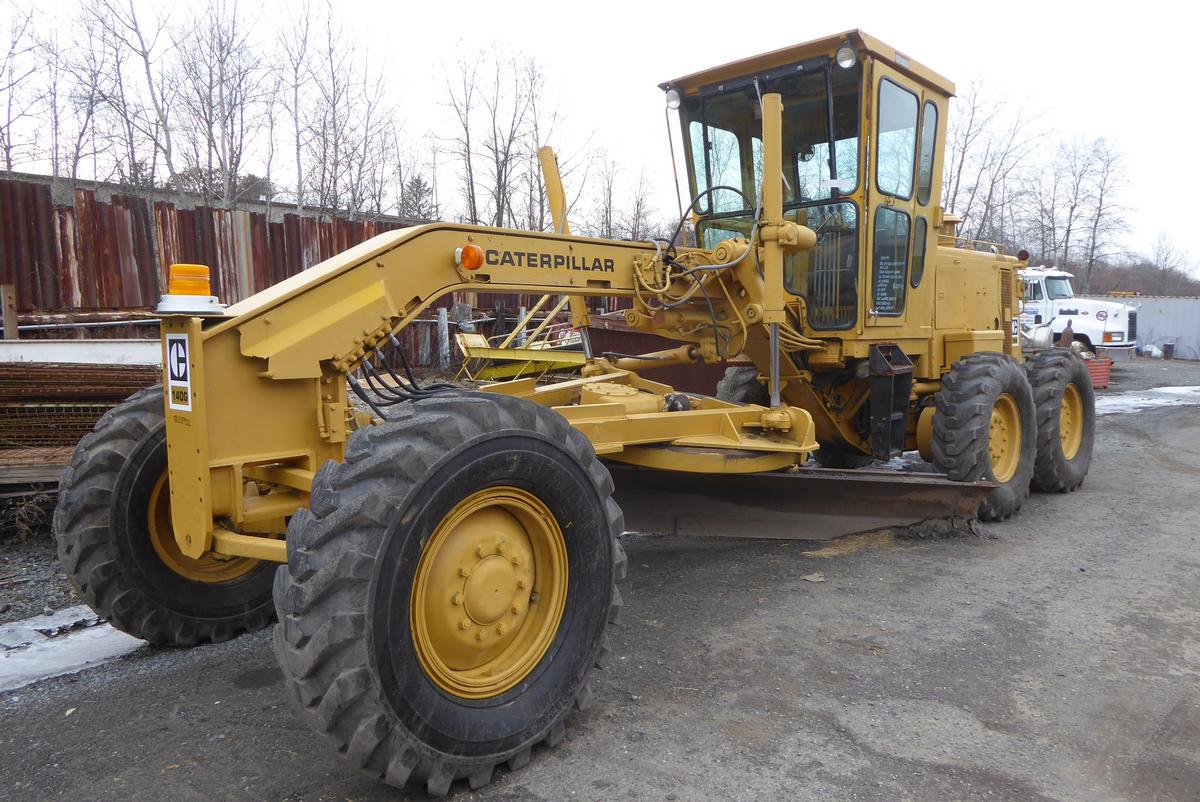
(828, 45)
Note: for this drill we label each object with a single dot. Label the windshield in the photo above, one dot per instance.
(1058, 288)
(724, 130)
(820, 165)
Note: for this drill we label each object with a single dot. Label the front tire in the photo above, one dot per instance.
(985, 428)
(1066, 420)
(115, 541)
(408, 631)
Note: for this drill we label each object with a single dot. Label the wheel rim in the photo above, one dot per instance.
(162, 536)
(489, 593)
(1004, 438)
(1070, 421)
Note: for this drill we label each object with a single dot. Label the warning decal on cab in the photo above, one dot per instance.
(179, 374)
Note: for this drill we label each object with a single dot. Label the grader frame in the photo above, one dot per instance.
(269, 403)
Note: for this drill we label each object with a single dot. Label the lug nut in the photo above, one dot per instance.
(464, 624)
(517, 560)
(479, 551)
(464, 572)
(458, 598)
(501, 548)
(500, 630)
(521, 583)
(516, 609)
(481, 634)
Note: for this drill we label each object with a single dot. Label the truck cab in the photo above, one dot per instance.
(1050, 299)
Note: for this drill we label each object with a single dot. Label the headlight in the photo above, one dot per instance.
(672, 99)
(845, 57)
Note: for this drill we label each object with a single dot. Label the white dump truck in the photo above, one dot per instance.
(1050, 300)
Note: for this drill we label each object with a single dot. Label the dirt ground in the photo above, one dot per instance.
(1056, 657)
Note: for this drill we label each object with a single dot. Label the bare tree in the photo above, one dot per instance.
(1167, 259)
(17, 67)
(223, 87)
(636, 221)
(293, 43)
(1102, 215)
(120, 22)
(462, 94)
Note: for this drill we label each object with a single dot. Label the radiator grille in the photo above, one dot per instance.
(1131, 335)
(1006, 306)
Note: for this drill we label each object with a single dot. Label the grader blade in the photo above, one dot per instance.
(806, 504)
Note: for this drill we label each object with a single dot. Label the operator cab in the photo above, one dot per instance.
(862, 127)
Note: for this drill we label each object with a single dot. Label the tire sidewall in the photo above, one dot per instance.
(473, 727)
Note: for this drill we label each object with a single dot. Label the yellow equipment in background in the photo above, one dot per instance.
(451, 554)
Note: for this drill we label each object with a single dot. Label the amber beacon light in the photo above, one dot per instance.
(189, 292)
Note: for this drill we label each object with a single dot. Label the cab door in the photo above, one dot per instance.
(895, 115)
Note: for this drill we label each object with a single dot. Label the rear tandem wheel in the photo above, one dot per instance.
(984, 428)
(450, 588)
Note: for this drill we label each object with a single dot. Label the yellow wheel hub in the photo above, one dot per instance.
(489, 593)
(1070, 421)
(1004, 438)
(162, 536)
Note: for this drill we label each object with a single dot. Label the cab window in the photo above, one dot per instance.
(896, 143)
(890, 262)
(928, 143)
(721, 167)
(920, 235)
(826, 275)
(1033, 291)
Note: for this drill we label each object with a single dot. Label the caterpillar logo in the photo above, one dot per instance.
(179, 373)
(548, 261)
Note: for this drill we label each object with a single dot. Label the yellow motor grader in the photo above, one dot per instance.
(442, 561)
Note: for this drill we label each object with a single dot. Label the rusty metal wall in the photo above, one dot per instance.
(91, 255)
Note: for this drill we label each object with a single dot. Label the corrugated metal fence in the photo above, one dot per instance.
(93, 254)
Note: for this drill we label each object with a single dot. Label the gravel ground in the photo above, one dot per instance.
(1057, 657)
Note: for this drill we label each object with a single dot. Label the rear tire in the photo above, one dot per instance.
(985, 428)
(1066, 420)
(106, 540)
(363, 620)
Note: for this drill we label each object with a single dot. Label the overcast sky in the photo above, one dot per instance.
(1115, 70)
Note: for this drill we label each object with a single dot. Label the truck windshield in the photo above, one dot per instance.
(821, 105)
(1058, 288)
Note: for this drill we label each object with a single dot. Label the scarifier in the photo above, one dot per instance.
(450, 555)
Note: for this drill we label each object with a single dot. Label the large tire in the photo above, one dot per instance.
(1066, 419)
(353, 638)
(741, 385)
(986, 396)
(104, 530)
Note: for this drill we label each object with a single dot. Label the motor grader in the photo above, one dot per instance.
(442, 561)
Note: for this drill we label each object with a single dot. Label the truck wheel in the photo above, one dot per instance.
(1066, 420)
(740, 385)
(985, 428)
(113, 526)
(449, 589)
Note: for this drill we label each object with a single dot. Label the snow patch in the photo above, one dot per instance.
(1134, 401)
(62, 643)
